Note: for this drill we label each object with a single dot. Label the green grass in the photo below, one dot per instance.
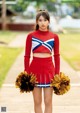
(70, 49)
(7, 36)
(7, 57)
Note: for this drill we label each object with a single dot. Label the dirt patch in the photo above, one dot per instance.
(3, 43)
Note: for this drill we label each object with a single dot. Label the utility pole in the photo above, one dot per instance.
(3, 15)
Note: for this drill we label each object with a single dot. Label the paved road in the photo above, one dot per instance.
(15, 102)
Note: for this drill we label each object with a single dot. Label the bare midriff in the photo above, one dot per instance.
(42, 55)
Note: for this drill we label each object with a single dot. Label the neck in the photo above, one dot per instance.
(43, 29)
(43, 32)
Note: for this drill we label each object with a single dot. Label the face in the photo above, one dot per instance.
(43, 23)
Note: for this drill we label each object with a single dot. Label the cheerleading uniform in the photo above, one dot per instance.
(43, 68)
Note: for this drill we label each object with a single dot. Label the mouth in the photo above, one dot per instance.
(43, 25)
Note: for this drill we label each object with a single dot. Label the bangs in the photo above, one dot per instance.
(44, 14)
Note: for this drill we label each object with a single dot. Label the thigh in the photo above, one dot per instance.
(37, 95)
(48, 92)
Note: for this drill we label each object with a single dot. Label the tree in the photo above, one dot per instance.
(42, 1)
(76, 5)
(3, 15)
(21, 5)
(70, 1)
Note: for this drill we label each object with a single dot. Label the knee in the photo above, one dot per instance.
(48, 102)
(37, 102)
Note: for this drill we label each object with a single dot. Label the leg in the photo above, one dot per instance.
(48, 99)
(37, 96)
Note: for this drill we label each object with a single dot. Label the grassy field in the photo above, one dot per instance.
(7, 55)
(7, 36)
(70, 49)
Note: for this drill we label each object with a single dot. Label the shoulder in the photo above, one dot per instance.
(31, 34)
(53, 34)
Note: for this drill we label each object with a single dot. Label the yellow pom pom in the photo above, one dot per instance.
(60, 84)
(25, 82)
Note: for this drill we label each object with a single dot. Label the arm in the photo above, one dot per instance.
(27, 53)
(56, 55)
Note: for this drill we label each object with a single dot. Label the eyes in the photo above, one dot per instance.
(40, 20)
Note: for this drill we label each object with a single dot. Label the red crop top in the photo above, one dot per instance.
(42, 42)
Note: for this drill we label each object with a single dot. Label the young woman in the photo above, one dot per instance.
(42, 42)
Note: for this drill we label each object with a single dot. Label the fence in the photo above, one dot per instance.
(19, 27)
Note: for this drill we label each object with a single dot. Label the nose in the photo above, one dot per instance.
(43, 22)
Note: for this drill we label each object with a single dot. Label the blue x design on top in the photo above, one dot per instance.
(49, 44)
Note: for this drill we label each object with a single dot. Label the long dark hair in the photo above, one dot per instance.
(43, 13)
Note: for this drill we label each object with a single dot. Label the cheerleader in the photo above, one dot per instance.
(45, 63)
